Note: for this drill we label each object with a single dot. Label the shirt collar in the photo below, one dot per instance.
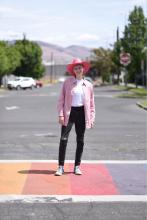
(75, 81)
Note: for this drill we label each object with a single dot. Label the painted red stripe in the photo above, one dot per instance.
(41, 180)
(96, 180)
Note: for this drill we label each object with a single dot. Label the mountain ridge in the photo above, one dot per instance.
(62, 55)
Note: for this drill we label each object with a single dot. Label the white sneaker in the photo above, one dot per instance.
(59, 171)
(77, 170)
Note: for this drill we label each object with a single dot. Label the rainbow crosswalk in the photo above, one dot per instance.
(98, 179)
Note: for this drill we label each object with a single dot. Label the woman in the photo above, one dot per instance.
(75, 106)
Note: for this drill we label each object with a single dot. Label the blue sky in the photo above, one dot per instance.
(90, 23)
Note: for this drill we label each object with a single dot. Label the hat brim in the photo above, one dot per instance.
(85, 65)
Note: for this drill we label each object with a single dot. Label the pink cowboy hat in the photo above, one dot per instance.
(75, 62)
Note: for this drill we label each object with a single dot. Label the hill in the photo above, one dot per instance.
(62, 55)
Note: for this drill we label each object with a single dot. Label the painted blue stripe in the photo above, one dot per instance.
(130, 179)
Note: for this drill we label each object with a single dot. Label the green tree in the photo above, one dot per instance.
(133, 42)
(31, 59)
(13, 56)
(102, 62)
(9, 59)
(115, 56)
(4, 67)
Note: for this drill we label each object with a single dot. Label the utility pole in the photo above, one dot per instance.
(118, 53)
(145, 51)
(52, 67)
(146, 65)
(143, 73)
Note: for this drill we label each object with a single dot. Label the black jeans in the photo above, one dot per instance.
(77, 117)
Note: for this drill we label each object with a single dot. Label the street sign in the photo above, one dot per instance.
(125, 58)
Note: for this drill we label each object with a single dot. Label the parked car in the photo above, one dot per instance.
(89, 79)
(38, 83)
(21, 83)
(62, 79)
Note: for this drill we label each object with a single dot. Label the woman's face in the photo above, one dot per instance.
(78, 70)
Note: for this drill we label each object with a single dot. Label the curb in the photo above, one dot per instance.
(142, 106)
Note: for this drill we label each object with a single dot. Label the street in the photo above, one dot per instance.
(29, 132)
(29, 126)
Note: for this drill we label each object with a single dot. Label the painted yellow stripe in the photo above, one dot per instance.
(11, 179)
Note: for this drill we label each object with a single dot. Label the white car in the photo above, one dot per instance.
(21, 83)
(62, 79)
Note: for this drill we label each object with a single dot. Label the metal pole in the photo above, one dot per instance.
(143, 73)
(146, 68)
(126, 76)
(51, 73)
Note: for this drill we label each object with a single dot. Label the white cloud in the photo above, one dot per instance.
(10, 35)
(71, 38)
(87, 37)
(142, 3)
(11, 12)
(138, 2)
(38, 16)
(5, 9)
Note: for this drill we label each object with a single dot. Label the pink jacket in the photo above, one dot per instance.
(65, 100)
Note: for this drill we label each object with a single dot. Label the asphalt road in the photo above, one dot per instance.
(70, 211)
(29, 129)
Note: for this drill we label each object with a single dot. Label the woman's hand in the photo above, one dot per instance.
(92, 125)
(61, 120)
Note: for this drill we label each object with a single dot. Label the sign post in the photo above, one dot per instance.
(125, 60)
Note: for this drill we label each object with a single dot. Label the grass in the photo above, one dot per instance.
(144, 103)
(48, 81)
(139, 91)
(123, 88)
(132, 92)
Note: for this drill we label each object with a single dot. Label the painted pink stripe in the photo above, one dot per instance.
(96, 180)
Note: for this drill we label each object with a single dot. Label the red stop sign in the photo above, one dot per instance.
(125, 58)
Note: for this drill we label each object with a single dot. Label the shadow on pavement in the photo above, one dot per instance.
(48, 172)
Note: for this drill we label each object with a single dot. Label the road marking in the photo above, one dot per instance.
(41, 95)
(36, 183)
(83, 161)
(11, 107)
(38, 135)
(71, 198)
(23, 135)
(104, 96)
(45, 135)
(53, 94)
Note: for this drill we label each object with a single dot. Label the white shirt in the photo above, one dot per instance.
(78, 94)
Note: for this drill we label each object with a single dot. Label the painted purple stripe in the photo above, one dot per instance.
(131, 179)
